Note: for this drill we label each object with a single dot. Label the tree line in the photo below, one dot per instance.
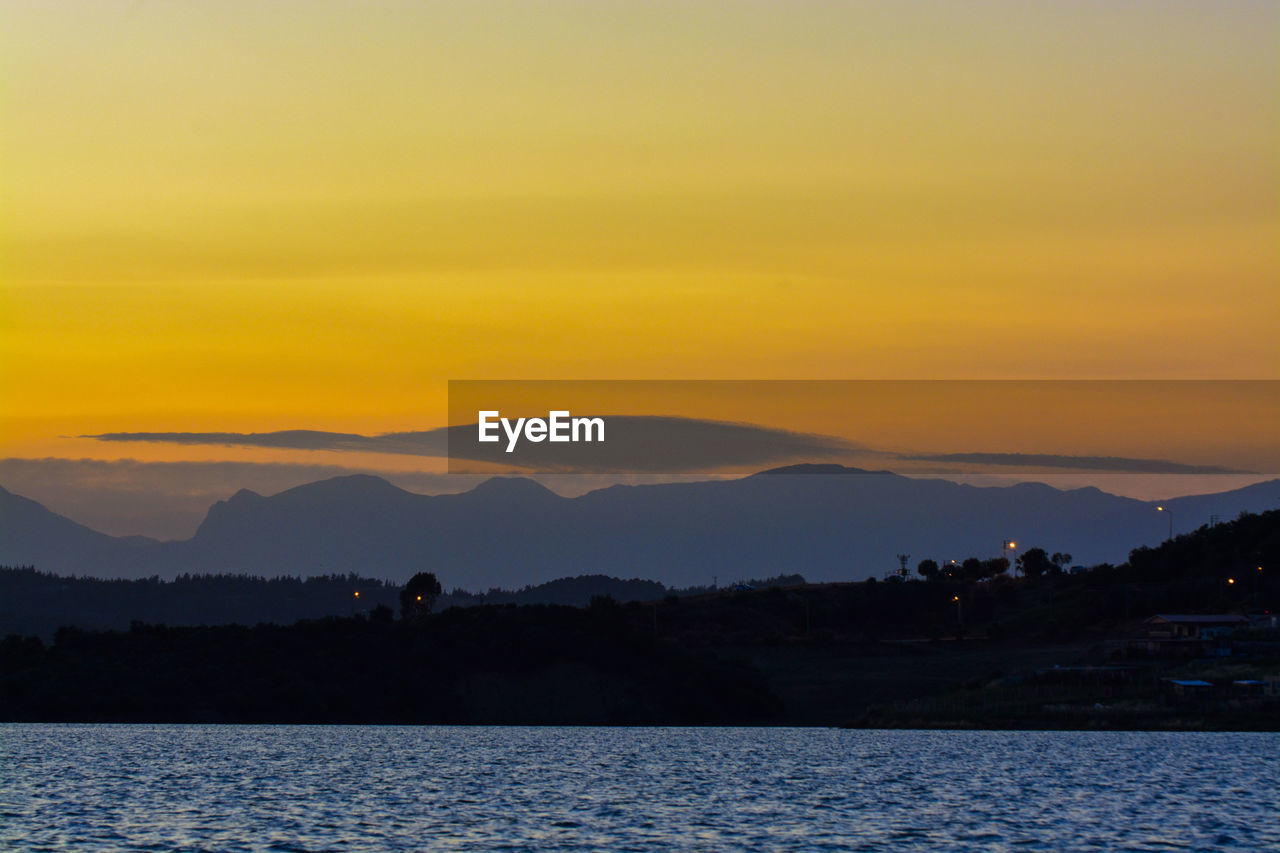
(1031, 563)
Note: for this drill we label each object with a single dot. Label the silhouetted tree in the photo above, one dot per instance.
(419, 595)
(1060, 560)
(927, 569)
(971, 569)
(1035, 562)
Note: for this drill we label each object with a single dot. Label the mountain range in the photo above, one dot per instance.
(826, 522)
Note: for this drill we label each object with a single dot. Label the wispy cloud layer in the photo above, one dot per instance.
(428, 443)
(634, 443)
(655, 444)
(1116, 464)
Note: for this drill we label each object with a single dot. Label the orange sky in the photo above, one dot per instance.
(246, 217)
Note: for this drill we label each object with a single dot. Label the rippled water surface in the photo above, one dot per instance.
(374, 788)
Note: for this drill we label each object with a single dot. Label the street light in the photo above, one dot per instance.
(1168, 512)
(1006, 546)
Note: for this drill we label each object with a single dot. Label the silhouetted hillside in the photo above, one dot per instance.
(36, 603)
(1239, 548)
(895, 652)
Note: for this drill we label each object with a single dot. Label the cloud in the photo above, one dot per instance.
(646, 444)
(633, 444)
(429, 443)
(1119, 464)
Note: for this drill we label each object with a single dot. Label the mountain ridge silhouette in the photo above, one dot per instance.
(817, 521)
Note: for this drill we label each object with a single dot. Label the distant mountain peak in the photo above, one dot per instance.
(348, 486)
(1032, 486)
(513, 486)
(817, 468)
(31, 534)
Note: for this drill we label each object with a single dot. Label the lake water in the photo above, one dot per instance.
(97, 787)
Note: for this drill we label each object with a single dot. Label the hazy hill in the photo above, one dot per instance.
(836, 524)
(34, 603)
(31, 534)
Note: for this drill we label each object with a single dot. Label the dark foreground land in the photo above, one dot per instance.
(1053, 651)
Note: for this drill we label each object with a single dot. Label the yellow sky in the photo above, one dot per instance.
(253, 216)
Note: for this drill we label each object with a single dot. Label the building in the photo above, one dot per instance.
(1189, 634)
(1194, 626)
(1189, 688)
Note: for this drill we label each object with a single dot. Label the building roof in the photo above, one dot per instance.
(1200, 618)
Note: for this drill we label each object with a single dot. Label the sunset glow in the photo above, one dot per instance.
(251, 217)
